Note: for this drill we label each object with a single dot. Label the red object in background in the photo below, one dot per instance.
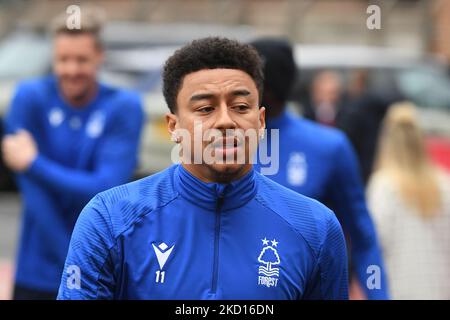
(7, 277)
(355, 291)
(439, 150)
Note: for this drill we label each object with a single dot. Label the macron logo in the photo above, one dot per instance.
(162, 253)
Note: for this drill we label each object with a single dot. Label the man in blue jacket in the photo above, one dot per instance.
(319, 162)
(69, 137)
(202, 229)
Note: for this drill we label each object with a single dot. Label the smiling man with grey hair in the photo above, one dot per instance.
(69, 137)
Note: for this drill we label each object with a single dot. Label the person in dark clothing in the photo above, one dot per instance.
(361, 122)
(318, 161)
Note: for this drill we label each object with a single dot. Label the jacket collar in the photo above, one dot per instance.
(206, 195)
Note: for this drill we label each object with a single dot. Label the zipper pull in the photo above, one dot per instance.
(220, 201)
(221, 195)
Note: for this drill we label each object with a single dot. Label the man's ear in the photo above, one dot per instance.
(262, 121)
(100, 52)
(172, 124)
(101, 56)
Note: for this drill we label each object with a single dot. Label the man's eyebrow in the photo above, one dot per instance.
(201, 96)
(205, 96)
(242, 92)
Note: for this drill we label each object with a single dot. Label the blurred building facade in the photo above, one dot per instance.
(420, 25)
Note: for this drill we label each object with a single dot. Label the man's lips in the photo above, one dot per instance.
(227, 143)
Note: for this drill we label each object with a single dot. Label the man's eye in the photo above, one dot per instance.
(82, 60)
(206, 109)
(241, 107)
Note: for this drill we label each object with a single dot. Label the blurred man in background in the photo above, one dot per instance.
(325, 99)
(68, 137)
(319, 162)
(356, 111)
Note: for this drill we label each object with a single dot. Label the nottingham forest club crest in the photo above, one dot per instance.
(268, 273)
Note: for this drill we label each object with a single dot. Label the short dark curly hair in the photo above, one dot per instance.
(209, 53)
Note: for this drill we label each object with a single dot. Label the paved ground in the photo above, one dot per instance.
(9, 230)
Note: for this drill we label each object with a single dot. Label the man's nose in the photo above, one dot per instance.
(224, 119)
(71, 68)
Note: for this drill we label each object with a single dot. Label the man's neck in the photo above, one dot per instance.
(83, 100)
(208, 175)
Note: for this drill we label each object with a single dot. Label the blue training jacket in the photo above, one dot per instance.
(81, 152)
(172, 236)
(319, 162)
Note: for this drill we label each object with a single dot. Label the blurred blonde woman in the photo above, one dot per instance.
(410, 201)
